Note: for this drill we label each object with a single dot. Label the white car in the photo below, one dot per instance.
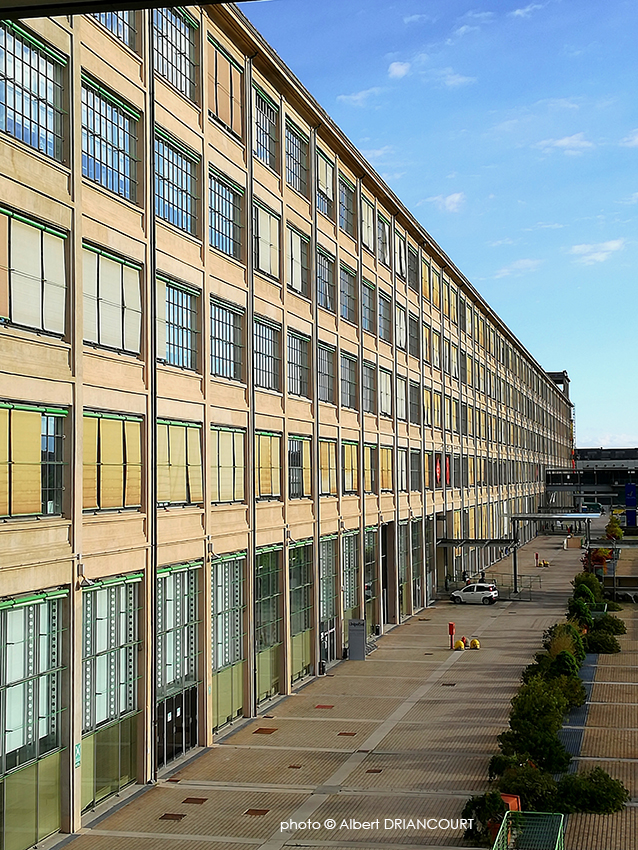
(485, 594)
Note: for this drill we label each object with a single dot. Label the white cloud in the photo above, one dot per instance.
(526, 11)
(598, 253)
(448, 77)
(465, 29)
(632, 199)
(499, 242)
(480, 16)
(377, 153)
(449, 203)
(398, 70)
(417, 19)
(571, 145)
(608, 440)
(543, 225)
(359, 98)
(518, 267)
(630, 141)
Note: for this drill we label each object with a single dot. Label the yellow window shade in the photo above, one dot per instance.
(195, 485)
(163, 478)
(307, 478)
(111, 463)
(26, 274)
(264, 462)
(177, 467)
(26, 453)
(239, 466)
(133, 443)
(4, 266)
(276, 466)
(236, 79)
(223, 88)
(226, 466)
(215, 467)
(332, 454)
(4, 462)
(54, 283)
(89, 283)
(89, 469)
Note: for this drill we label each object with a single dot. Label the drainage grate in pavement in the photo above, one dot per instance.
(195, 801)
(174, 779)
(374, 770)
(347, 734)
(295, 766)
(324, 706)
(172, 816)
(256, 813)
(264, 730)
(448, 684)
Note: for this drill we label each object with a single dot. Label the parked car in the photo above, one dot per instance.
(485, 594)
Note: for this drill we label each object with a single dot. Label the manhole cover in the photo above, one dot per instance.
(172, 816)
(256, 813)
(264, 730)
(195, 801)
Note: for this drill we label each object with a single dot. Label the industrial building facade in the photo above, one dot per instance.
(243, 394)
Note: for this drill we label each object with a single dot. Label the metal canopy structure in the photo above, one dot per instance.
(457, 543)
(16, 9)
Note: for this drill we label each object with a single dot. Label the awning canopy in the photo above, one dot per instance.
(457, 543)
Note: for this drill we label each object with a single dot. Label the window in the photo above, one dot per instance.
(325, 281)
(298, 359)
(427, 343)
(225, 86)
(402, 335)
(385, 392)
(414, 336)
(266, 136)
(415, 403)
(436, 410)
(174, 48)
(385, 465)
(370, 586)
(179, 463)
(228, 605)
(268, 618)
(436, 349)
(368, 307)
(399, 256)
(402, 469)
(402, 390)
(31, 460)
(267, 465)
(370, 466)
(447, 413)
(436, 289)
(30, 695)
(327, 468)
(226, 340)
(327, 578)
(300, 573)
(326, 373)
(224, 215)
(111, 641)
(175, 183)
(267, 355)
(349, 396)
(454, 358)
(176, 644)
(427, 470)
(296, 159)
(177, 324)
(109, 140)
(385, 318)
(367, 224)
(299, 468)
(414, 281)
(455, 415)
(112, 463)
(347, 216)
(32, 275)
(402, 559)
(297, 269)
(228, 464)
(121, 24)
(350, 567)
(427, 407)
(446, 356)
(31, 91)
(325, 185)
(369, 388)
(383, 240)
(266, 241)
(350, 467)
(349, 295)
(415, 469)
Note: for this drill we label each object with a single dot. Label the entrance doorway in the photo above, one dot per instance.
(176, 718)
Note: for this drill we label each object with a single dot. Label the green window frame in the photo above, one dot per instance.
(177, 640)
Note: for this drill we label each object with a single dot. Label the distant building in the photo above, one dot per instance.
(243, 394)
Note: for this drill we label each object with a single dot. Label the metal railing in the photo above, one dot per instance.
(527, 584)
(531, 831)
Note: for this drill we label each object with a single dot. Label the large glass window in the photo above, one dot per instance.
(367, 224)
(370, 468)
(179, 463)
(350, 573)
(414, 281)
(297, 266)
(383, 240)
(369, 307)
(415, 469)
(298, 365)
(228, 464)
(175, 183)
(402, 386)
(267, 465)
(350, 467)
(109, 140)
(268, 620)
(369, 388)
(266, 241)
(414, 336)
(121, 24)
(325, 185)
(227, 610)
(299, 468)
(300, 568)
(348, 281)
(225, 87)
(112, 301)
(370, 584)
(325, 282)
(385, 392)
(33, 293)
(174, 48)
(31, 460)
(224, 215)
(326, 373)
(177, 646)
(385, 466)
(399, 255)
(349, 394)
(296, 158)
(327, 468)
(327, 578)
(401, 328)
(385, 318)
(112, 463)
(414, 391)
(177, 323)
(267, 355)
(266, 136)
(226, 340)
(347, 216)
(31, 91)
(402, 469)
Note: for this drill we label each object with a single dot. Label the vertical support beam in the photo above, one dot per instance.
(515, 554)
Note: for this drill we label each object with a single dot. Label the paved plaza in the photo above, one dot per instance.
(405, 734)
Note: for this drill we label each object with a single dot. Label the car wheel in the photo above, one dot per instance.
(457, 600)
(486, 600)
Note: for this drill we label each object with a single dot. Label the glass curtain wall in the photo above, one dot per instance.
(300, 571)
(350, 579)
(268, 621)
(328, 598)
(371, 586)
(404, 588)
(416, 530)
(228, 608)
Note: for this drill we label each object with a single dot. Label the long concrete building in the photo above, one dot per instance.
(243, 394)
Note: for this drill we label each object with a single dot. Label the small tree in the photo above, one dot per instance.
(613, 529)
(591, 582)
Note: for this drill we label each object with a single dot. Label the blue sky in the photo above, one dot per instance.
(511, 133)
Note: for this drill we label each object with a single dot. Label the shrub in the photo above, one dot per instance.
(611, 625)
(536, 788)
(613, 529)
(553, 645)
(594, 791)
(583, 592)
(579, 611)
(563, 665)
(499, 764)
(573, 690)
(613, 606)
(591, 582)
(482, 809)
(540, 667)
(601, 642)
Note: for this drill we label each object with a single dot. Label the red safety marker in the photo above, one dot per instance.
(451, 631)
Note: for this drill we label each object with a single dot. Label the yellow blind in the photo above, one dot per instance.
(111, 463)
(264, 462)
(332, 463)
(239, 465)
(26, 453)
(226, 443)
(4, 266)
(236, 80)
(89, 469)
(163, 478)
(177, 466)
(195, 483)
(276, 466)
(307, 478)
(4, 462)
(133, 443)
(223, 88)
